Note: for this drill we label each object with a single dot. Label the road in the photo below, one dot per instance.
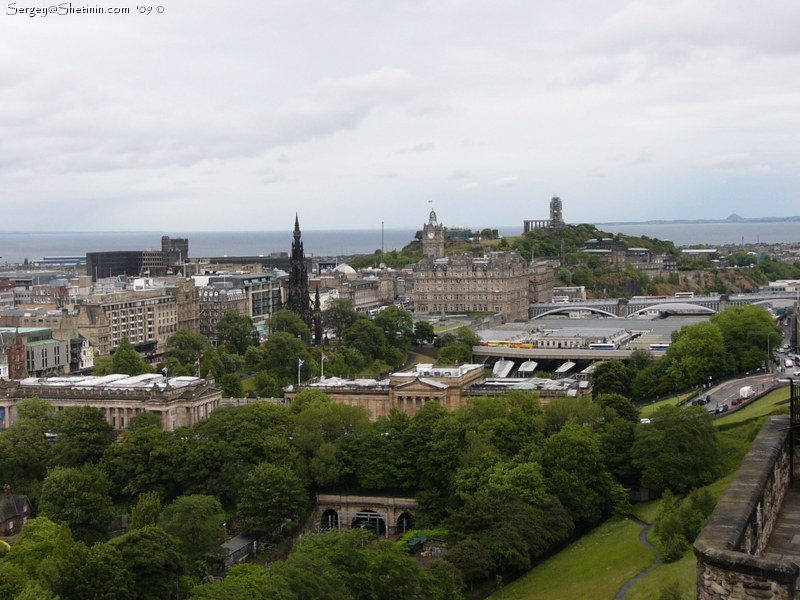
(729, 391)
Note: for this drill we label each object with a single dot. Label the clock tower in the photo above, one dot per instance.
(433, 238)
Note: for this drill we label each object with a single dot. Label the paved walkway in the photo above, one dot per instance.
(646, 527)
(784, 543)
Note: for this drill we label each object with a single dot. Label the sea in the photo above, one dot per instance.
(16, 246)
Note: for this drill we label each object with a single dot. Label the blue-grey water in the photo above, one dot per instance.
(15, 247)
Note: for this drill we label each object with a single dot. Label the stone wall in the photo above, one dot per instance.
(728, 549)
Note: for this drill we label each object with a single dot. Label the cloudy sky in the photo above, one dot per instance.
(232, 116)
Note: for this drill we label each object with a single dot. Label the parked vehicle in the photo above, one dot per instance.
(746, 392)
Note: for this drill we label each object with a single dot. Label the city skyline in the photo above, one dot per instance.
(199, 118)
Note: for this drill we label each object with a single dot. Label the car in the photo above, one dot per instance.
(722, 408)
(644, 421)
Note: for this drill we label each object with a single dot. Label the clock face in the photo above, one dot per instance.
(430, 235)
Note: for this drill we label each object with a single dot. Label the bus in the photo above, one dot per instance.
(684, 294)
(603, 346)
(659, 347)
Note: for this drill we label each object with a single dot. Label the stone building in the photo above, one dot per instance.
(178, 401)
(187, 301)
(433, 238)
(498, 283)
(615, 253)
(408, 391)
(15, 510)
(43, 354)
(215, 303)
(264, 292)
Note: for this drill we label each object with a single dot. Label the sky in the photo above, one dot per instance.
(211, 116)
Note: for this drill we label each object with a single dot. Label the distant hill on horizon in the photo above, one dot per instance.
(734, 218)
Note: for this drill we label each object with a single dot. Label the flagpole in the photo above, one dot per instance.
(299, 363)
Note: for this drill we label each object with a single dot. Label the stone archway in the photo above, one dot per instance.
(329, 520)
(369, 519)
(405, 522)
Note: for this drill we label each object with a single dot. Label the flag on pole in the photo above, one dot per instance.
(300, 362)
(164, 370)
(323, 356)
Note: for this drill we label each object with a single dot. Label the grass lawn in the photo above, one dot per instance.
(648, 409)
(647, 511)
(593, 568)
(249, 384)
(683, 571)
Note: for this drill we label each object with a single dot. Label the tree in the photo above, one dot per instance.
(33, 591)
(146, 511)
(345, 362)
(270, 495)
(610, 377)
(618, 406)
(83, 436)
(455, 354)
(23, 454)
(128, 361)
(321, 429)
(235, 332)
(697, 352)
(145, 419)
(96, 573)
(144, 460)
(35, 409)
(40, 543)
(290, 322)
(186, 346)
(78, 497)
(572, 463)
(339, 315)
(232, 386)
(196, 522)
(267, 385)
(465, 335)
(473, 561)
(152, 557)
(246, 581)
(423, 332)
(281, 354)
(397, 327)
(311, 577)
(748, 332)
(678, 450)
(366, 337)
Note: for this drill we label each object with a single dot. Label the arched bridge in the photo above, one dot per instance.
(638, 305)
(383, 515)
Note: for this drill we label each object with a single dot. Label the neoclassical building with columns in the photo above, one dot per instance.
(408, 391)
(178, 401)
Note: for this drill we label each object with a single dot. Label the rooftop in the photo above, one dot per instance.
(113, 382)
(430, 370)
